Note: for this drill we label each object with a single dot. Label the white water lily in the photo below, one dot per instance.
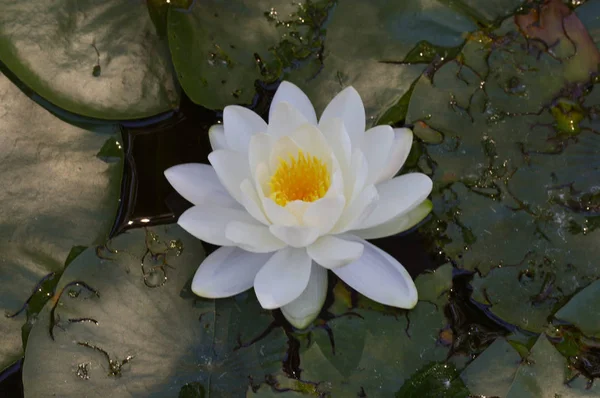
(293, 198)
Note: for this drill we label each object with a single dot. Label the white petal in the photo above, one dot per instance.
(252, 202)
(359, 209)
(216, 135)
(310, 139)
(376, 148)
(283, 278)
(226, 272)
(259, 150)
(231, 168)
(378, 276)
(336, 135)
(398, 196)
(359, 171)
(208, 222)
(295, 236)
(240, 124)
(348, 106)
(403, 139)
(198, 184)
(324, 213)
(305, 309)
(262, 178)
(252, 237)
(337, 185)
(333, 252)
(398, 224)
(279, 215)
(297, 208)
(284, 119)
(283, 149)
(288, 92)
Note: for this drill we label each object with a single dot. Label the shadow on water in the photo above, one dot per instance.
(11, 384)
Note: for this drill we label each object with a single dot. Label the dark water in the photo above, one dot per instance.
(10, 381)
(146, 197)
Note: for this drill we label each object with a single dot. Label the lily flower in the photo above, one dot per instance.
(292, 198)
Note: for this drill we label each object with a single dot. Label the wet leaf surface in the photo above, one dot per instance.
(127, 322)
(562, 361)
(486, 14)
(507, 123)
(216, 66)
(510, 185)
(437, 380)
(544, 374)
(322, 46)
(366, 348)
(57, 194)
(492, 372)
(98, 59)
(583, 310)
(367, 45)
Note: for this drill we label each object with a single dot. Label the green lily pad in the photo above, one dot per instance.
(561, 362)
(485, 14)
(544, 375)
(370, 350)
(56, 194)
(98, 59)
(321, 46)
(588, 14)
(391, 352)
(511, 186)
(583, 310)
(139, 331)
(367, 45)
(436, 380)
(493, 371)
(215, 64)
(434, 285)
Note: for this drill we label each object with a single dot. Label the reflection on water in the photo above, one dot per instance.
(146, 196)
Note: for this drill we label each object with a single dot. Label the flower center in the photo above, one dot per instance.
(303, 177)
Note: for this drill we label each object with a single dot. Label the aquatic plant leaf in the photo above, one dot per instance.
(56, 195)
(485, 14)
(366, 45)
(435, 380)
(562, 361)
(564, 35)
(544, 375)
(433, 286)
(511, 146)
(493, 371)
(128, 322)
(369, 350)
(583, 310)
(98, 59)
(588, 13)
(323, 46)
(215, 64)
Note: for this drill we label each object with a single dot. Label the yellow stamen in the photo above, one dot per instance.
(303, 178)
